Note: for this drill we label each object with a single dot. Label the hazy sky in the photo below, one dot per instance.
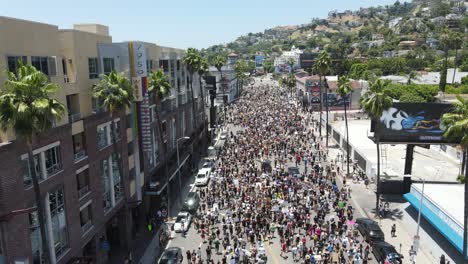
(179, 23)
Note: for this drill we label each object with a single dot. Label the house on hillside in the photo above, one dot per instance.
(407, 44)
(453, 20)
(392, 24)
(438, 21)
(432, 42)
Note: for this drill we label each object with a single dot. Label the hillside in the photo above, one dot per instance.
(367, 32)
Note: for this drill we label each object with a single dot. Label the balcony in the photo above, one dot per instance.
(51, 170)
(74, 117)
(86, 226)
(168, 105)
(79, 146)
(83, 191)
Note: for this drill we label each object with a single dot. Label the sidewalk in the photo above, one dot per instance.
(152, 250)
(364, 198)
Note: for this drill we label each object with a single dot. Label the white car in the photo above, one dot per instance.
(203, 177)
(182, 222)
(223, 136)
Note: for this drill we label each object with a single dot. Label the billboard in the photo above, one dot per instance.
(259, 61)
(315, 94)
(418, 123)
(335, 101)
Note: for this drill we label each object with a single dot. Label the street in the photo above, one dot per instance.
(247, 209)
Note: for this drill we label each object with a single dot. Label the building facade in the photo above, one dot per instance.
(92, 209)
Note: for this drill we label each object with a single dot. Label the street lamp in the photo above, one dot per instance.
(178, 167)
(416, 237)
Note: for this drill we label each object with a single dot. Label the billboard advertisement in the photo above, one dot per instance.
(418, 123)
(336, 102)
(315, 94)
(259, 61)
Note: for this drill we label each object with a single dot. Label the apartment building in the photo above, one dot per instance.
(91, 209)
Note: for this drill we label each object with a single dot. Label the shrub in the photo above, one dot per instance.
(461, 178)
(462, 89)
(411, 98)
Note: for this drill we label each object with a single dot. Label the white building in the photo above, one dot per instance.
(294, 54)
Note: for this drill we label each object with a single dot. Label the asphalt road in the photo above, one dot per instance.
(192, 241)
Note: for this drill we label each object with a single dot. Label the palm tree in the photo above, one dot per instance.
(291, 82)
(291, 63)
(449, 40)
(322, 66)
(160, 87)
(115, 93)
(219, 62)
(413, 75)
(374, 102)
(192, 60)
(344, 89)
(202, 70)
(456, 123)
(26, 107)
(240, 68)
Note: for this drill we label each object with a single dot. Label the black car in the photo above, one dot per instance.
(192, 202)
(370, 230)
(172, 255)
(294, 171)
(385, 251)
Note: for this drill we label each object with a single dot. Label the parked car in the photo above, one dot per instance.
(171, 255)
(294, 171)
(203, 177)
(223, 135)
(208, 163)
(385, 251)
(182, 222)
(192, 202)
(370, 230)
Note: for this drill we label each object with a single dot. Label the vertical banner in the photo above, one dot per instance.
(139, 73)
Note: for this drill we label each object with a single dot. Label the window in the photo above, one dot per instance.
(65, 71)
(86, 218)
(154, 152)
(105, 185)
(117, 179)
(13, 62)
(164, 64)
(27, 178)
(53, 160)
(104, 133)
(111, 181)
(108, 65)
(178, 65)
(35, 237)
(59, 222)
(93, 68)
(149, 66)
(117, 129)
(103, 137)
(41, 64)
(82, 183)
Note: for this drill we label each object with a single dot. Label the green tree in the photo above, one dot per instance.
(413, 75)
(344, 90)
(159, 86)
(291, 82)
(240, 68)
(322, 66)
(374, 102)
(192, 60)
(114, 91)
(449, 40)
(26, 107)
(219, 62)
(456, 124)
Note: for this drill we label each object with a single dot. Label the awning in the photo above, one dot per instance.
(435, 219)
(161, 189)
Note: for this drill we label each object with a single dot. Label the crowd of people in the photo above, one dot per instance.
(251, 208)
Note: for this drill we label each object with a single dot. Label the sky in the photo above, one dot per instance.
(179, 23)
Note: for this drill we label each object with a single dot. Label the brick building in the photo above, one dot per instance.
(91, 209)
